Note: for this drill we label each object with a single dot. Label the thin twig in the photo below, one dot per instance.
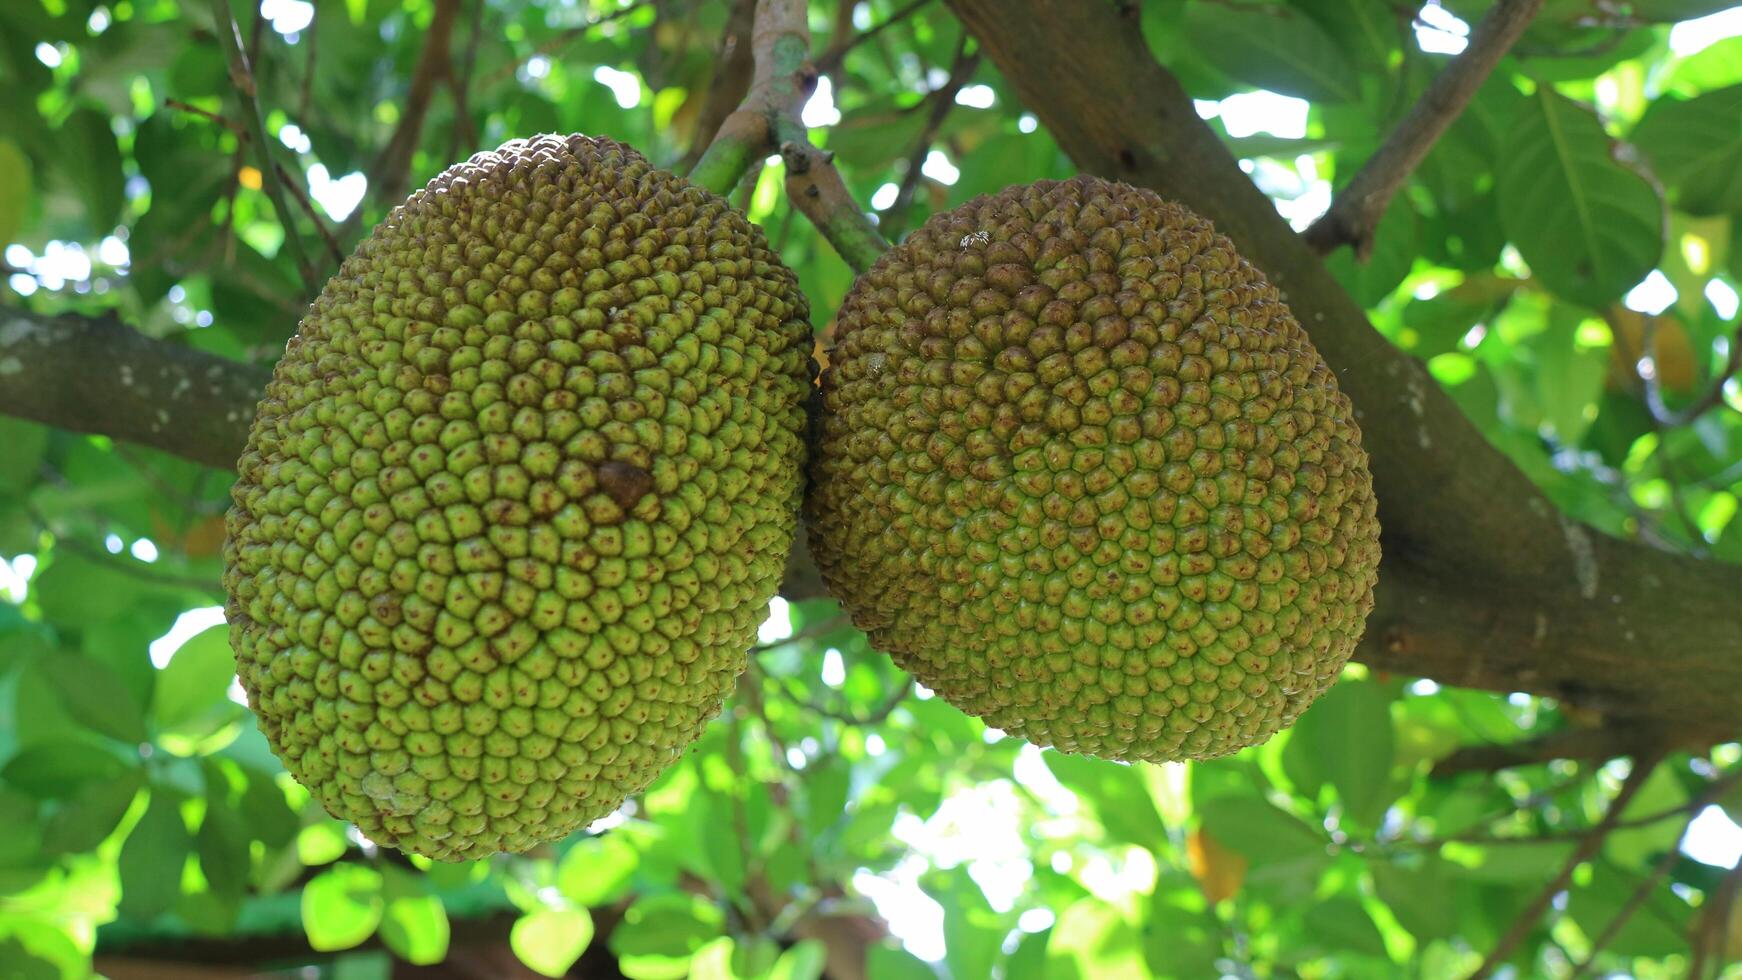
(1659, 871)
(1710, 400)
(207, 114)
(1713, 932)
(814, 186)
(460, 83)
(305, 97)
(939, 102)
(242, 76)
(876, 717)
(831, 60)
(732, 70)
(562, 40)
(822, 627)
(1587, 846)
(284, 174)
(308, 208)
(1356, 211)
(392, 168)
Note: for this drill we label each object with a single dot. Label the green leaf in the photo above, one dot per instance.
(224, 848)
(597, 871)
(1340, 925)
(1416, 896)
(804, 961)
(1657, 928)
(1092, 939)
(1117, 793)
(549, 941)
(91, 161)
(21, 845)
(265, 811)
(95, 696)
(1346, 740)
(1255, 828)
(1181, 937)
(197, 676)
(888, 961)
(416, 928)
(89, 816)
(14, 190)
(341, 907)
(1674, 10)
(673, 925)
(56, 769)
(152, 858)
(1270, 47)
(1695, 146)
(1366, 31)
(1589, 226)
(1394, 252)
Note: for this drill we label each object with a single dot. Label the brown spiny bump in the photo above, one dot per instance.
(517, 496)
(1081, 472)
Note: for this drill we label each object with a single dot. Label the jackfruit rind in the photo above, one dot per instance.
(517, 496)
(1081, 472)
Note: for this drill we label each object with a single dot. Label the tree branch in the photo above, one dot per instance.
(768, 118)
(831, 60)
(567, 37)
(1713, 931)
(1583, 744)
(387, 178)
(96, 375)
(1356, 211)
(242, 76)
(1660, 411)
(733, 69)
(938, 103)
(1587, 847)
(1483, 583)
(814, 186)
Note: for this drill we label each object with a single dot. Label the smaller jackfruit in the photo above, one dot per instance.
(1081, 472)
(517, 496)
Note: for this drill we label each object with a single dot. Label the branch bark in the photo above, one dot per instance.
(97, 375)
(769, 119)
(392, 169)
(1355, 212)
(1484, 584)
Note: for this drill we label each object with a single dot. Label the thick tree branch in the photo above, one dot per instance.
(1483, 584)
(96, 375)
(242, 76)
(1356, 211)
(1527, 919)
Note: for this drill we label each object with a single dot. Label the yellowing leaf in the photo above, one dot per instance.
(1219, 870)
(248, 177)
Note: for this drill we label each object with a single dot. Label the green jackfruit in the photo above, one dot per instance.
(1082, 473)
(517, 496)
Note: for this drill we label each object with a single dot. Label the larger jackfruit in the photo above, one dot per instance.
(518, 494)
(1083, 474)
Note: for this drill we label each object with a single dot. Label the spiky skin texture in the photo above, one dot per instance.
(1081, 472)
(517, 496)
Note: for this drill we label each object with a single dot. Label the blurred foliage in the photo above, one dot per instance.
(146, 817)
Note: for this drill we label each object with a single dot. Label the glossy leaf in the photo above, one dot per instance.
(1589, 225)
(549, 941)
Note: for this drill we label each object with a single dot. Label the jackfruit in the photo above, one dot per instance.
(517, 496)
(1081, 472)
